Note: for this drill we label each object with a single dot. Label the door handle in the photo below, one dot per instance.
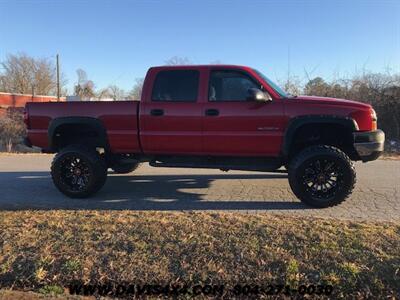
(212, 112)
(157, 112)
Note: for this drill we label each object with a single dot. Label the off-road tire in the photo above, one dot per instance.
(125, 168)
(94, 166)
(298, 171)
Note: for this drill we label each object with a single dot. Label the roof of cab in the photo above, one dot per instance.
(199, 66)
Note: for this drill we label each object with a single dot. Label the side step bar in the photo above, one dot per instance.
(225, 164)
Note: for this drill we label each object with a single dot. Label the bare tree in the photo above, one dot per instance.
(116, 93)
(103, 93)
(12, 129)
(84, 88)
(25, 74)
(82, 76)
(136, 91)
(177, 60)
(2, 83)
(292, 85)
(317, 87)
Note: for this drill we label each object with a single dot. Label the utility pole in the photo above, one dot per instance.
(58, 79)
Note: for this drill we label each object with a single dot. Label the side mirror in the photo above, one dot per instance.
(258, 95)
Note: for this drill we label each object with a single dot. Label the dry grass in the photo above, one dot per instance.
(18, 295)
(42, 250)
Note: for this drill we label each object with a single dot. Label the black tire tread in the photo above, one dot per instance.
(315, 150)
(98, 162)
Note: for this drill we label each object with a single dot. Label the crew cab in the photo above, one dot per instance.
(209, 116)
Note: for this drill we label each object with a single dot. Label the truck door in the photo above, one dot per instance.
(171, 115)
(235, 126)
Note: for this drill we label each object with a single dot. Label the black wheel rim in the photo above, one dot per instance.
(322, 178)
(75, 173)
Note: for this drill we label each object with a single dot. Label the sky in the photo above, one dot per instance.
(115, 42)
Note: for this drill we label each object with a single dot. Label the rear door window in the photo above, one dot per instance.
(176, 86)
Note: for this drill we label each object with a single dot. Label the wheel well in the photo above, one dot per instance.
(331, 134)
(77, 133)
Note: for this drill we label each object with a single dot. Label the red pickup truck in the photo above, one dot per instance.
(210, 116)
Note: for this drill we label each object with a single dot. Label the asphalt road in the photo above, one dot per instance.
(25, 183)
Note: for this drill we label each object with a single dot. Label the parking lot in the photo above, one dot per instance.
(25, 183)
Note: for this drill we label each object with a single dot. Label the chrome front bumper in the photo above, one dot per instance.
(370, 144)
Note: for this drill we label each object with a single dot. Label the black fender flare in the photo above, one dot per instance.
(297, 122)
(94, 123)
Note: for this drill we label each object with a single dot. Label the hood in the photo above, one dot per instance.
(332, 101)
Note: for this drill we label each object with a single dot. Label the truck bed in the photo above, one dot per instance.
(120, 119)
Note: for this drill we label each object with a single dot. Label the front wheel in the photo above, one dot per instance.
(78, 172)
(322, 176)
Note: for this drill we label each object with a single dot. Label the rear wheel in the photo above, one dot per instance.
(322, 176)
(78, 172)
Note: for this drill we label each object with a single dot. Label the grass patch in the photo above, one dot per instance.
(42, 251)
(52, 290)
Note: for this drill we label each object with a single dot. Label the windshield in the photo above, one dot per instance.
(277, 89)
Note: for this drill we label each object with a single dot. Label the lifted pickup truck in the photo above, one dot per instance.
(211, 116)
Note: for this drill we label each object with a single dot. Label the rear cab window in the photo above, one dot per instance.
(176, 86)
